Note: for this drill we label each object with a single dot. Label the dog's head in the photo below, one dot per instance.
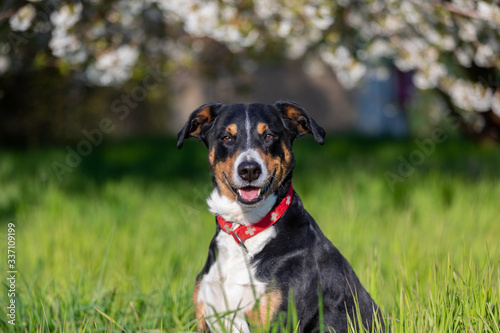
(250, 145)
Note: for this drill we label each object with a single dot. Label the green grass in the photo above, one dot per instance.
(116, 245)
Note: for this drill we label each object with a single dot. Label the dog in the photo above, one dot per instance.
(267, 250)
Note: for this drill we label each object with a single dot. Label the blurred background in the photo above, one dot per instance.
(379, 68)
(110, 218)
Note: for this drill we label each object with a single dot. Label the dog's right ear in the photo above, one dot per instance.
(198, 123)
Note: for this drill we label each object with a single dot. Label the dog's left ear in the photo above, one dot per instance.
(302, 120)
(198, 123)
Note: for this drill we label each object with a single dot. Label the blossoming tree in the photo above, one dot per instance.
(450, 46)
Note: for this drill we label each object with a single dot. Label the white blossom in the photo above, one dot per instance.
(340, 58)
(485, 56)
(481, 97)
(129, 10)
(4, 64)
(429, 77)
(355, 72)
(249, 39)
(66, 16)
(471, 96)
(23, 18)
(409, 12)
(297, 48)
(380, 48)
(487, 11)
(459, 93)
(347, 70)
(495, 103)
(202, 21)
(464, 55)
(321, 19)
(265, 9)
(284, 28)
(113, 67)
(467, 31)
(62, 42)
(392, 23)
(414, 53)
(448, 42)
(464, 4)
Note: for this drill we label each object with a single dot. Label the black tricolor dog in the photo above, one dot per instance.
(266, 246)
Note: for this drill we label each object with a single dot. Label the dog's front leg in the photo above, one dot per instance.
(199, 309)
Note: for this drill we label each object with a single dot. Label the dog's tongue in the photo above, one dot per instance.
(249, 194)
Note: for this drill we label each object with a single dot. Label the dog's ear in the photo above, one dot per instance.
(198, 123)
(301, 119)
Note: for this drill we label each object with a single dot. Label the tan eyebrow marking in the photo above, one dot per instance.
(232, 129)
(261, 128)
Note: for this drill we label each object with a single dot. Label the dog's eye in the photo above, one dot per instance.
(269, 137)
(226, 138)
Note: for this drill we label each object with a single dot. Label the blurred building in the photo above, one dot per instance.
(374, 109)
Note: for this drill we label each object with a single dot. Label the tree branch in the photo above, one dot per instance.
(460, 11)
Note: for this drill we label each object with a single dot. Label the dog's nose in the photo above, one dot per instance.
(249, 171)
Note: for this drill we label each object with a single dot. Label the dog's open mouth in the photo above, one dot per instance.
(251, 195)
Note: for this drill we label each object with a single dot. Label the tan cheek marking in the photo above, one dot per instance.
(211, 156)
(199, 309)
(266, 309)
(225, 168)
(288, 155)
(274, 166)
(232, 129)
(261, 128)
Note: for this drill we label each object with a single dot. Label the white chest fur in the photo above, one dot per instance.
(230, 288)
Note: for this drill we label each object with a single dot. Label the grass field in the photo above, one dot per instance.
(116, 245)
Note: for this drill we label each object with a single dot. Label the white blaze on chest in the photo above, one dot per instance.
(230, 285)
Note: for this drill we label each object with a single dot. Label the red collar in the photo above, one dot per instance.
(242, 233)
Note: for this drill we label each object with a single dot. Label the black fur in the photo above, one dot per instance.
(302, 259)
